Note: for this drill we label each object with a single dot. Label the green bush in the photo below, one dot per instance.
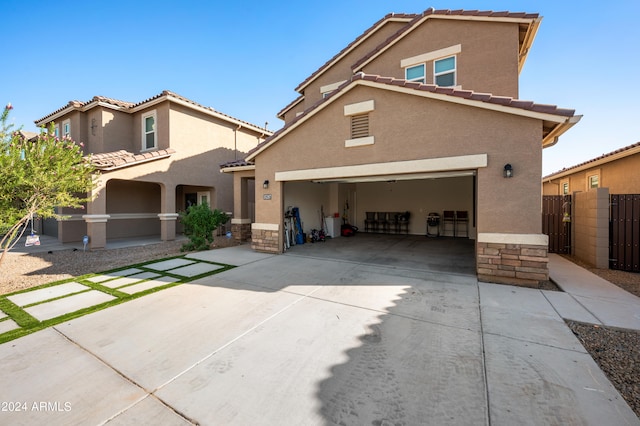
(199, 223)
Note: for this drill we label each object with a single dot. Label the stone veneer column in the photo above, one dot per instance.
(168, 226)
(97, 230)
(517, 259)
(241, 229)
(265, 237)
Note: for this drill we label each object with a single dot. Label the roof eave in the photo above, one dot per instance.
(529, 37)
(232, 169)
(552, 138)
(356, 43)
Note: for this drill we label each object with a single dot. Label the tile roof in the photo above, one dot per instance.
(371, 29)
(236, 163)
(628, 150)
(130, 107)
(442, 12)
(486, 98)
(118, 159)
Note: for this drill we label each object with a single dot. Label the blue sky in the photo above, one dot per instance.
(244, 58)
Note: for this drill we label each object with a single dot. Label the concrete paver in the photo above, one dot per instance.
(120, 282)
(165, 265)
(8, 325)
(236, 256)
(137, 288)
(47, 293)
(112, 275)
(196, 269)
(58, 307)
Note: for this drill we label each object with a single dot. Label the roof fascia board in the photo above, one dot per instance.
(468, 102)
(237, 169)
(290, 107)
(553, 136)
(449, 17)
(437, 96)
(301, 87)
(82, 108)
(202, 109)
(592, 164)
(529, 37)
(137, 163)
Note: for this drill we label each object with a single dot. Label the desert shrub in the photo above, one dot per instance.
(199, 223)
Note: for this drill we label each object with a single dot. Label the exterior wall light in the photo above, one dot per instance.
(265, 185)
(508, 171)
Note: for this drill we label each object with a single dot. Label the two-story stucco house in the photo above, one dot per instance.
(154, 157)
(420, 113)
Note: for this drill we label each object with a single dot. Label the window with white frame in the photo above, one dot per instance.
(415, 73)
(594, 181)
(66, 128)
(149, 134)
(565, 188)
(444, 71)
(56, 130)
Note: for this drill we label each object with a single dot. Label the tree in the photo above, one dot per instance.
(199, 223)
(37, 176)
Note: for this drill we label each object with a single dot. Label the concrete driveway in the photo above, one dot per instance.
(323, 335)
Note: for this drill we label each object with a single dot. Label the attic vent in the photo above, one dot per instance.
(359, 126)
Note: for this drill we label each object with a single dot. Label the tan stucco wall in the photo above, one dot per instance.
(487, 63)
(620, 176)
(408, 127)
(341, 70)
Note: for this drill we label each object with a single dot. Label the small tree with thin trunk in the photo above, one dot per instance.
(37, 176)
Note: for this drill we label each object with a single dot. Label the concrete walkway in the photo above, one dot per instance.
(589, 298)
(300, 339)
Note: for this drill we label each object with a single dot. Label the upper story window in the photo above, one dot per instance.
(565, 188)
(444, 66)
(56, 131)
(594, 181)
(66, 128)
(149, 134)
(444, 71)
(415, 73)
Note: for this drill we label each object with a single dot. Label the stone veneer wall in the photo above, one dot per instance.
(241, 231)
(265, 240)
(517, 264)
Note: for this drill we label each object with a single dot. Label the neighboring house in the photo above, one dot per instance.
(155, 158)
(420, 114)
(616, 170)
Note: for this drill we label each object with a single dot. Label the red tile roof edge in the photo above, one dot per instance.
(594, 160)
(448, 91)
(368, 31)
(116, 159)
(445, 12)
(130, 106)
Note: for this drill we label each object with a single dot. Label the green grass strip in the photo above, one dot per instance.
(17, 314)
(29, 324)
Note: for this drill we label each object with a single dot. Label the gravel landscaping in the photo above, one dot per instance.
(21, 271)
(617, 352)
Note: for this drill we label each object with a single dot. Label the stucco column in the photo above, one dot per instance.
(96, 230)
(168, 215)
(241, 221)
(168, 226)
(96, 217)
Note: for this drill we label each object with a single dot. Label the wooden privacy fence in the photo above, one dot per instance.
(624, 232)
(556, 216)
